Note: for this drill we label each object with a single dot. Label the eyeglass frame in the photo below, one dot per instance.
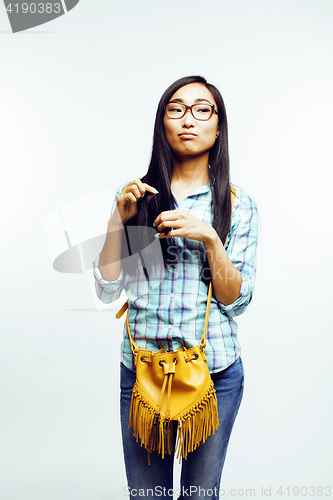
(212, 106)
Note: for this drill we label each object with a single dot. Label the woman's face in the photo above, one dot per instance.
(187, 135)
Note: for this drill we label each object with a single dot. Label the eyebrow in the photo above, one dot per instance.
(197, 100)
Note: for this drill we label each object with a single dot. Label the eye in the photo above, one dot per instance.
(202, 109)
(174, 108)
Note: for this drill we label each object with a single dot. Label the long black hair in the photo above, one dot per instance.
(160, 172)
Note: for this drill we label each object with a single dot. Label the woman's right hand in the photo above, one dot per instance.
(127, 201)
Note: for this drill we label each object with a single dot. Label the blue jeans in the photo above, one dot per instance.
(201, 472)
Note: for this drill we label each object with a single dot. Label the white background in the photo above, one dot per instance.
(70, 127)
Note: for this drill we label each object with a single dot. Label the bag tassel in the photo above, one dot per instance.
(167, 431)
(141, 417)
(197, 425)
(153, 444)
(155, 433)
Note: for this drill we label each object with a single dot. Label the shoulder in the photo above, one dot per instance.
(244, 202)
(245, 213)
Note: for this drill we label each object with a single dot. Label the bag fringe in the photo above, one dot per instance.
(194, 425)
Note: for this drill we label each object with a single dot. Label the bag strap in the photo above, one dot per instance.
(203, 341)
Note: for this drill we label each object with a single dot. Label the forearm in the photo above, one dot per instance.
(110, 258)
(226, 279)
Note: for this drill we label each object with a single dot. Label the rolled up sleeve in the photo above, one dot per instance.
(107, 291)
(241, 249)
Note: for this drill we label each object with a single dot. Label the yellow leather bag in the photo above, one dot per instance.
(173, 386)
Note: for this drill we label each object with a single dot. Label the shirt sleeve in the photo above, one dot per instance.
(241, 249)
(108, 291)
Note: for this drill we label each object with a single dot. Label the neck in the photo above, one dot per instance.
(189, 171)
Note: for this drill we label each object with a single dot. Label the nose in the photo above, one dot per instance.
(188, 120)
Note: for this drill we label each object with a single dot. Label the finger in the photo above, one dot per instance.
(149, 188)
(167, 215)
(130, 197)
(135, 185)
(133, 188)
(167, 225)
(169, 234)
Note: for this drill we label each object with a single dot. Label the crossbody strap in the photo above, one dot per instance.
(203, 341)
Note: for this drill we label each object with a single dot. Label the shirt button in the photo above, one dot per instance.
(169, 327)
(171, 295)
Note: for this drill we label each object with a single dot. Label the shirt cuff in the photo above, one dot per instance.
(108, 286)
(241, 303)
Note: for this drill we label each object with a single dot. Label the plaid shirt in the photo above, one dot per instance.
(168, 310)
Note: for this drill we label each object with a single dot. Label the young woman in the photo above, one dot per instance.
(185, 200)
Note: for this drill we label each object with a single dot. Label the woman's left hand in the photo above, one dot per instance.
(181, 223)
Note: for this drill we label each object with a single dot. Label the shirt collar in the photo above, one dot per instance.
(201, 189)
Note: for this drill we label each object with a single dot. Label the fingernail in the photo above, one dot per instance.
(155, 191)
(157, 235)
(154, 225)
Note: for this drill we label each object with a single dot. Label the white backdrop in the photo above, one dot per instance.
(70, 129)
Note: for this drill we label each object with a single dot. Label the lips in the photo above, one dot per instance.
(187, 135)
